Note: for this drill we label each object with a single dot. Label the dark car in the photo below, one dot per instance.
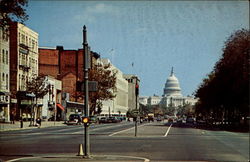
(112, 119)
(103, 120)
(190, 120)
(74, 119)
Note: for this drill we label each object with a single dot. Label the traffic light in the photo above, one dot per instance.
(85, 121)
(136, 89)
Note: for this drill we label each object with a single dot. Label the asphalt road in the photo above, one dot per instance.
(155, 141)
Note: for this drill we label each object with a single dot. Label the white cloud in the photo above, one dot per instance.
(91, 12)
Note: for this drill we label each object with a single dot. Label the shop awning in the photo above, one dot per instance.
(60, 106)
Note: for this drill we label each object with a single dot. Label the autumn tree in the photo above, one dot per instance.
(225, 92)
(39, 87)
(12, 10)
(106, 79)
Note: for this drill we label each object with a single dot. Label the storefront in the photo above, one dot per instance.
(4, 107)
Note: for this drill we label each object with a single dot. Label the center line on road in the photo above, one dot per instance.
(168, 130)
(126, 130)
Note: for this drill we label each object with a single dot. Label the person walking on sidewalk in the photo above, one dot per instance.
(39, 122)
(12, 118)
(21, 122)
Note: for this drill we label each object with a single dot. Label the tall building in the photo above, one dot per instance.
(119, 104)
(133, 81)
(23, 66)
(4, 76)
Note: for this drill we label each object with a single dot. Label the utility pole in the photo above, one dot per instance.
(86, 97)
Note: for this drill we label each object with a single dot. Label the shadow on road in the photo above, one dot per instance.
(209, 127)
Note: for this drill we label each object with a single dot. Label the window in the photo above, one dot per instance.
(3, 55)
(19, 83)
(3, 76)
(7, 57)
(7, 82)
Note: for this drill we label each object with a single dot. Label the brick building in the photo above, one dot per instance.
(65, 65)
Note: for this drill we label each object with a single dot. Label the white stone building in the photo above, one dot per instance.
(172, 96)
(154, 100)
(119, 104)
(143, 100)
(52, 101)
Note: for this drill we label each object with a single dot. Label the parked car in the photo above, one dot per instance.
(103, 120)
(190, 120)
(113, 119)
(74, 119)
(93, 119)
(170, 120)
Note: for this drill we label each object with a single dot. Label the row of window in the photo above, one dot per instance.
(4, 55)
(4, 78)
(22, 82)
(27, 41)
(27, 61)
(4, 34)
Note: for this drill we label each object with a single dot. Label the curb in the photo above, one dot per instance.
(93, 158)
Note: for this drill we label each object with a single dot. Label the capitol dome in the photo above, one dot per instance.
(172, 87)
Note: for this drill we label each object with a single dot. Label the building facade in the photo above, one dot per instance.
(119, 104)
(4, 75)
(133, 99)
(52, 100)
(23, 65)
(154, 100)
(143, 100)
(66, 66)
(172, 96)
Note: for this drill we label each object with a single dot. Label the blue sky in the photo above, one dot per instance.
(153, 35)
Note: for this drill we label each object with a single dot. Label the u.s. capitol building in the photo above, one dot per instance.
(171, 97)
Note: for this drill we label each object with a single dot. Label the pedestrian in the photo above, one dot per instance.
(12, 120)
(39, 122)
(21, 122)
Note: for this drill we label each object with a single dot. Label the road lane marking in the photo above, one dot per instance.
(126, 130)
(100, 128)
(168, 131)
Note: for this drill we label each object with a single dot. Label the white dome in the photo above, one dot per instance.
(172, 87)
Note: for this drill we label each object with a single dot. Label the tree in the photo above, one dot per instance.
(106, 79)
(39, 88)
(12, 10)
(225, 92)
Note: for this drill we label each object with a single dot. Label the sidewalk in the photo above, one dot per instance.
(17, 125)
(93, 158)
